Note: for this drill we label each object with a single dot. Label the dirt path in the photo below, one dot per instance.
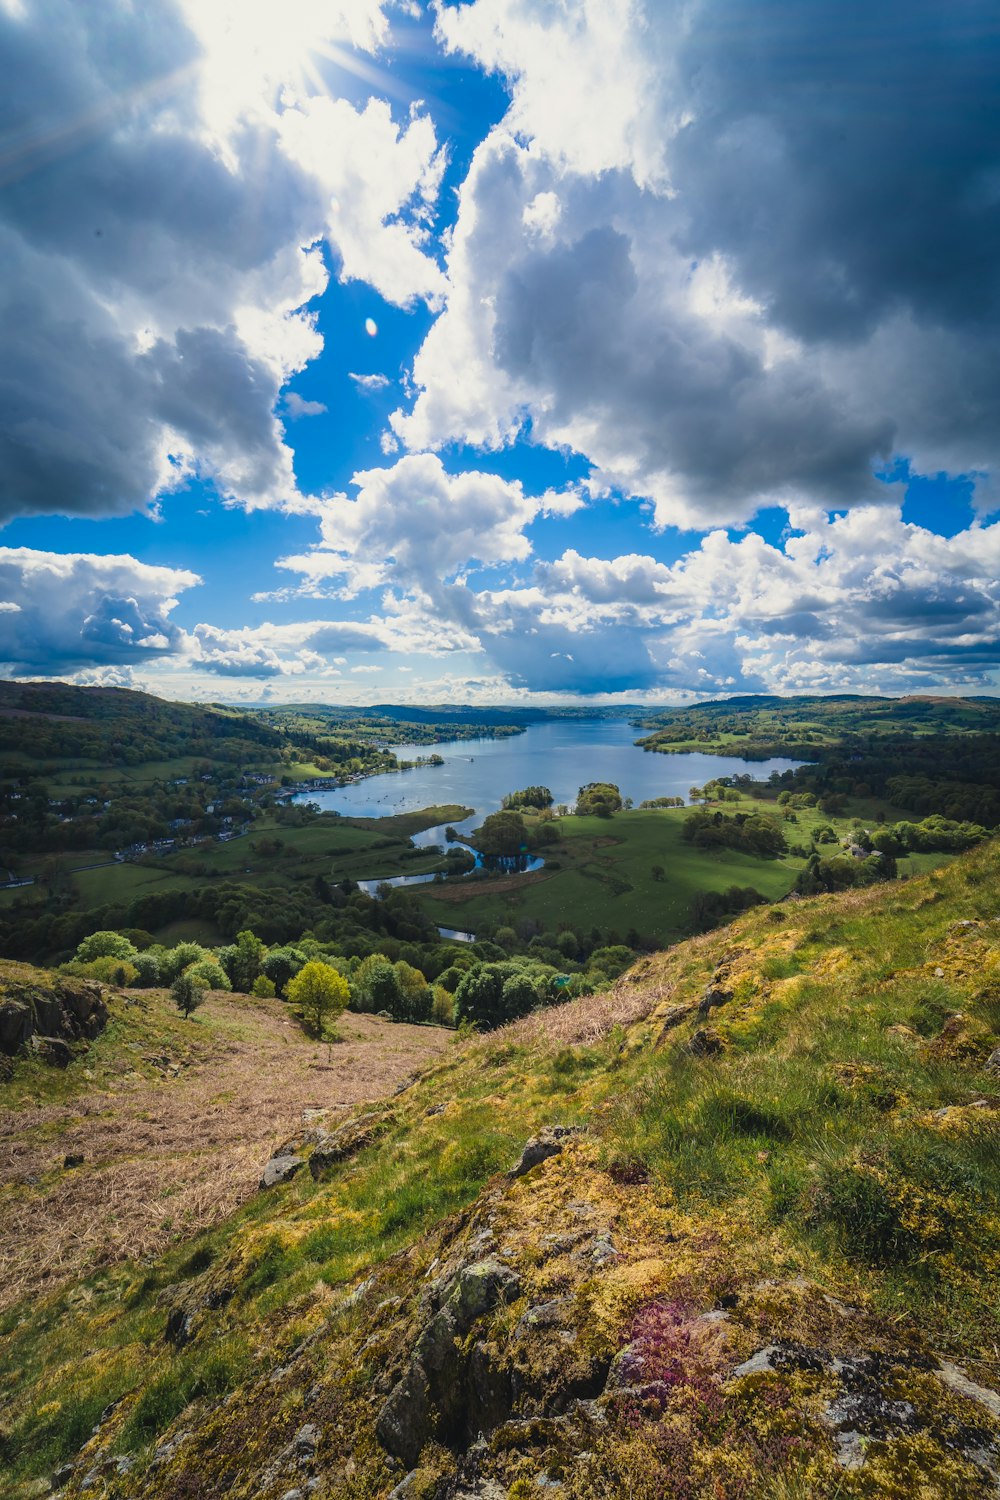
(174, 1132)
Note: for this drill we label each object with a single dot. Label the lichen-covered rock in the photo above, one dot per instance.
(548, 1142)
(281, 1168)
(55, 1012)
(447, 1391)
(340, 1145)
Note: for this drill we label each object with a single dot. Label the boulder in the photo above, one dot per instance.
(340, 1145)
(281, 1169)
(548, 1142)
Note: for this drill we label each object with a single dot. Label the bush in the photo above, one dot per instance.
(319, 992)
(210, 973)
(105, 945)
(187, 993)
(113, 970)
(263, 987)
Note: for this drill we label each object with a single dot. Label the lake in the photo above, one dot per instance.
(562, 754)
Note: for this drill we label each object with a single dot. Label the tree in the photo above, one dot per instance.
(503, 835)
(319, 992)
(599, 799)
(187, 993)
(105, 945)
(375, 985)
(210, 973)
(242, 960)
(529, 796)
(490, 994)
(281, 965)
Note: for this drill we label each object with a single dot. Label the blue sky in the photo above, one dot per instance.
(503, 351)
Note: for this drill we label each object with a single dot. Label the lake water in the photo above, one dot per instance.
(562, 755)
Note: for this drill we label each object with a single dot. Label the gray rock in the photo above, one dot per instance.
(548, 1142)
(16, 1026)
(280, 1169)
(478, 1289)
(404, 1423)
(785, 1356)
(53, 1050)
(955, 1378)
(992, 1063)
(340, 1145)
(706, 1042)
(547, 1315)
(444, 1392)
(715, 995)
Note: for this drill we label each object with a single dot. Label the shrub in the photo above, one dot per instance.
(263, 988)
(105, 945)
(210, 973)
(319, 992)
(187, 993)
(113, 970)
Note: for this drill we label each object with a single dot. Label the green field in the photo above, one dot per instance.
(270, 855)
(600, 875)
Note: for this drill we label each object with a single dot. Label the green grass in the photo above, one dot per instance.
(605, 876)
(806, 1147)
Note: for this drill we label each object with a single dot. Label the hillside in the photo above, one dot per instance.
(752, 1252)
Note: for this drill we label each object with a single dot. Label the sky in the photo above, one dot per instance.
(521, 351)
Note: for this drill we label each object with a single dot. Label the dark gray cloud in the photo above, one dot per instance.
(847, 159)
(127, 242)
(776, 264)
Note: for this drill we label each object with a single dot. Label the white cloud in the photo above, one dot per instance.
(66, 611)
(725, 253)
(370, 382)
(162, 204)
(297, 406)
(416, 525)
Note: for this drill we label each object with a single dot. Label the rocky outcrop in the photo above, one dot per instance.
(55, 1015)
(450, 1391)
(323, 1150)
(340, 1145)
(548, 1142)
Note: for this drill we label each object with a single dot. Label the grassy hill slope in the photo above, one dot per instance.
(762, 1261)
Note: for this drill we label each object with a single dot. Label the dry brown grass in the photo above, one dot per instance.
(583, 1022)
(166, 1156)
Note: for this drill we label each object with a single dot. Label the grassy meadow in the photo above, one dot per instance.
(826, 1171)
(600, 874)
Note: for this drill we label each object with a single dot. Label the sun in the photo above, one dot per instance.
(258, 53)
